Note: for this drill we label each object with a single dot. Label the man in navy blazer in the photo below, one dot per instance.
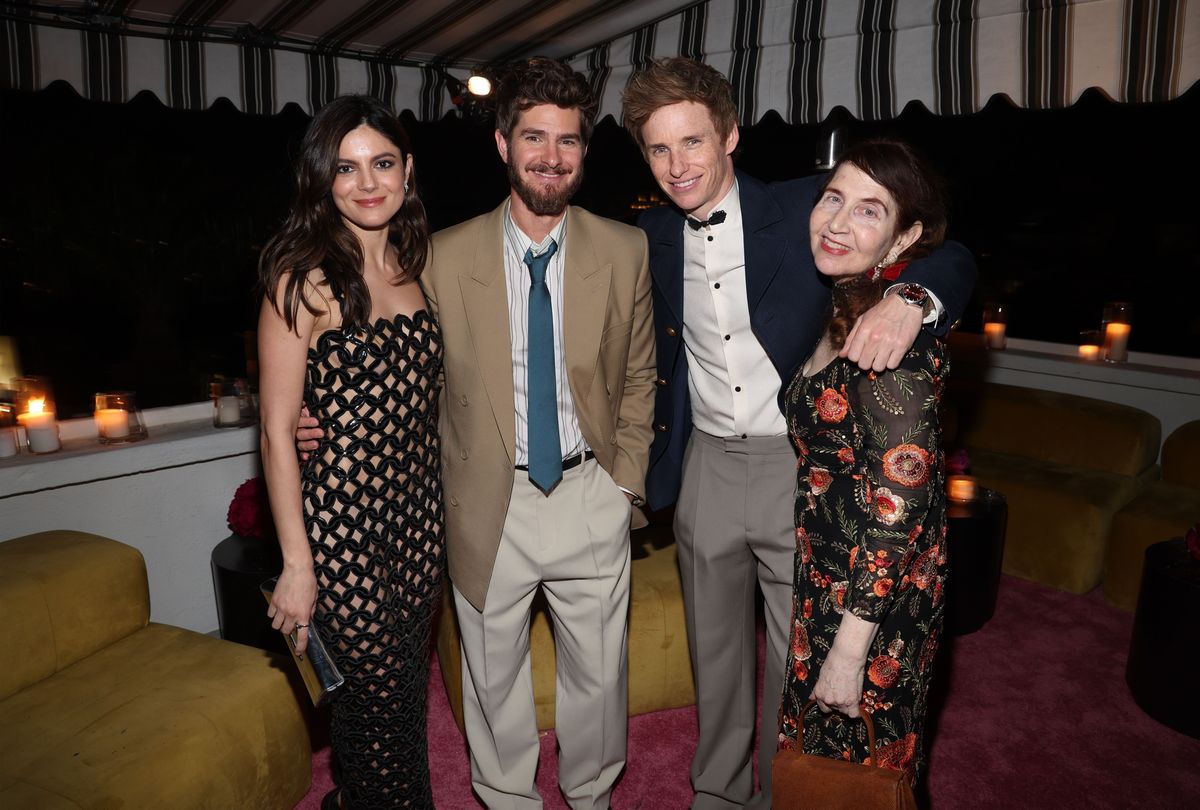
(738, 307)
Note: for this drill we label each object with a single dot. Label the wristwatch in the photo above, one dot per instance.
(915, 295)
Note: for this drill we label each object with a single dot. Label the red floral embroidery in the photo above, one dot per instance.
(803, 544)
(800, 645)
(819, 480)
(884, 671)
(907, 465)
(882, 586)
(924, 570)
(831, 406)
(889, 509)
(897, 755)
(846, 455)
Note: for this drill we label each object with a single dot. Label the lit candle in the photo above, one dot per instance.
(993, 335)
(112, 423)
(8, 442)
(1116, 342)
(229, 410)
(41, 431)
(1089, 351)
(961, 488)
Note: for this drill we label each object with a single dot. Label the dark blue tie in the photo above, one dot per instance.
(545, 451)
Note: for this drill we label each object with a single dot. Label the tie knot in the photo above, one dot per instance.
(537, 264)
(715, 218)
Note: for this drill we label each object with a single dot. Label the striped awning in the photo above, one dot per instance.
(801, 58)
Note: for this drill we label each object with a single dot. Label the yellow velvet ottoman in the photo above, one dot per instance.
(1164, 511)
(660, 671)
(99, 708)
(1067, 464)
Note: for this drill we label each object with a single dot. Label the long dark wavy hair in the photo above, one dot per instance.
(315, 235)
(918, 192)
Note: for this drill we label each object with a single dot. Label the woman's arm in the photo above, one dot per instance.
(282, 354)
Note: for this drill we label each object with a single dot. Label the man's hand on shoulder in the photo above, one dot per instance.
(883, 334)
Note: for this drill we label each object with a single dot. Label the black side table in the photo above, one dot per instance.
(239, 566)
(975, 551)
(1164, 653)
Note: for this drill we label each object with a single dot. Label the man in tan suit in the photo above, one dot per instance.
(512, 525)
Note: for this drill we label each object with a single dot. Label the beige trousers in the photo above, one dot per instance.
(734, 530)
(574, 545)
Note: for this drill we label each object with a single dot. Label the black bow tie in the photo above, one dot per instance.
(715, 218)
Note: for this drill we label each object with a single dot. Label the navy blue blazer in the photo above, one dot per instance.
(787, 296)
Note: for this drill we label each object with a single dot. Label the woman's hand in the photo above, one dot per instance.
(840, 685)
(292, 604)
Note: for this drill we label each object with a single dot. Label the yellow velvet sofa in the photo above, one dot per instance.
(1067, 465)
(1163, 511)
(660, 671)
(100, 708)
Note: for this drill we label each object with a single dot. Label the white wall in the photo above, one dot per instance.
(166, 496)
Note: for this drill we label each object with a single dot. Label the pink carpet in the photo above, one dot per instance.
(1034, 713)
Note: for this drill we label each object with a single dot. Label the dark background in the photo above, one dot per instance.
(129, 234)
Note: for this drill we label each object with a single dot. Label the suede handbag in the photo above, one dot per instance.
(801, 781)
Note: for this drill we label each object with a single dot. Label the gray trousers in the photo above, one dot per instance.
(734, 529)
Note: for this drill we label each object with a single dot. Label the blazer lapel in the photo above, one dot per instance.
(485, 298)
(764, 250)
(666, 263)
(585, 301)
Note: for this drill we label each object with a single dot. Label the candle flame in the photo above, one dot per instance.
(37, 405)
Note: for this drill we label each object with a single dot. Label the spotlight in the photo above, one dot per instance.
(479, 85)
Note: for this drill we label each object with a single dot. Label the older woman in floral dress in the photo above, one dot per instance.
(870, 510)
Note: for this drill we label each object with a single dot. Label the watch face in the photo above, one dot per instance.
(914, 294)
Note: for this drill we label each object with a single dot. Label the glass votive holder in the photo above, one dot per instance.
(1116, 331)
(35, 413)
(233, 403)
(1089, 345)
(118, 418)
(961, 488)
(8, 432)
(995, 325)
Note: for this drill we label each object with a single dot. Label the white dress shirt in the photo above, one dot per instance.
(733, 383)
(516, 276)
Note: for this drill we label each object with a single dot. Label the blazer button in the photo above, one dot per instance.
(661, 427)
(662, 381)
(671, 331)
(453, 501)
(612, 439)
(463, 400)
(462, 454)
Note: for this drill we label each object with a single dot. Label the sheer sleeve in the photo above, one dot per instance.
(901, 456)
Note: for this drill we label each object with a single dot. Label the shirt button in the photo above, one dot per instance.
(743, 435)
(727, 337)
(710, 238)
(717, 286)
(737, 388)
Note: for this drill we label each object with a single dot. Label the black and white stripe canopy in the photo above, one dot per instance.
(801, 58)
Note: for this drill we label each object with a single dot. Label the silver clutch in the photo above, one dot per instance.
(317, 669)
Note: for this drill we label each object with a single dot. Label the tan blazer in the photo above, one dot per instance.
(608, 330)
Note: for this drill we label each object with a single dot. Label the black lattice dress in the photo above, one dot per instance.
(871, 539)
(373, 511)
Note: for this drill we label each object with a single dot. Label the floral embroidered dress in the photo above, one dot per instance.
(870, 538)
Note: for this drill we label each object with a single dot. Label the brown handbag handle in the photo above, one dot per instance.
(862, 713)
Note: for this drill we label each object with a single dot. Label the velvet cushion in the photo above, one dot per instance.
(162, 718)
(1058, 516)
(1162, 512)
(1181, 456)
(64, 595)
(1055, 428)
(660, 671)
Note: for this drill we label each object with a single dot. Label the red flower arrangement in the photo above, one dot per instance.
(250, 511)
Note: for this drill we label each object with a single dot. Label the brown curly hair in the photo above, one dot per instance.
(672, 81)
(918, 192)
(539, 80)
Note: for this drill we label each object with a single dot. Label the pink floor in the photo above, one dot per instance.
(1034, 713)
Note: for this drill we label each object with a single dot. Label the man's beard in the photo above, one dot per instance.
(541, 201)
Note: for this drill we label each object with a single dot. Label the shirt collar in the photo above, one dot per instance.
(521, 242)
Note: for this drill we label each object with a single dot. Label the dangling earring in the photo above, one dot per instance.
(405, 186)
(875, 272)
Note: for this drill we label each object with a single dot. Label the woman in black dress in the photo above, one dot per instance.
(344, 327)
(870, 509)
